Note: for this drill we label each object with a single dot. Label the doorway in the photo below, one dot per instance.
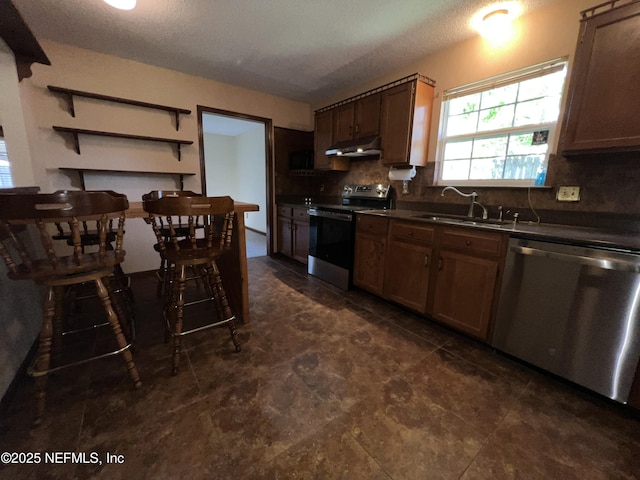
(235, 160)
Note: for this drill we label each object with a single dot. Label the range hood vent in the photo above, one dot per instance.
(361, 147)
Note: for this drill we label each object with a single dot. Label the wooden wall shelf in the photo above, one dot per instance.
(80, 131)
(81, 172)
(69, 94)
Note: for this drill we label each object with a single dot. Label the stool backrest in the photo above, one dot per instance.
(215, 214)
(157, 194)
(74, 208)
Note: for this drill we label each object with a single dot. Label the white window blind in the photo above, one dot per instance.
(5, 169)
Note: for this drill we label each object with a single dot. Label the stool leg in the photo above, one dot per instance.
(223, 304)
(43, 359)
(127, 320)
(177, 312)
(169, 301)
(58, 327)
(103, 293)
(161, 274)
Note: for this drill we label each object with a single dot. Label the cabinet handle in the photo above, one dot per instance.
(440, 264)
(357, 127)
(468, 243)
(426, 260)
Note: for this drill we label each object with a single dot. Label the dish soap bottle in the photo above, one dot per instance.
(541, 175)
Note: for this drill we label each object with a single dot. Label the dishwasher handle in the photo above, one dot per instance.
(604, 263)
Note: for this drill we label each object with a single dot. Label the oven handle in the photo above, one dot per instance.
(345, 217)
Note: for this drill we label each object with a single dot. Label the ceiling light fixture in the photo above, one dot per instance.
(495, 23)
(122, 4)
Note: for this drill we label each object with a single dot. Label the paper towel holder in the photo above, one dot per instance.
(404, 174)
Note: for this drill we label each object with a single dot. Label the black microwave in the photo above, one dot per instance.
(301, 160)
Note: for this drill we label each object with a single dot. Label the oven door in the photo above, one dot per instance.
(331, 244)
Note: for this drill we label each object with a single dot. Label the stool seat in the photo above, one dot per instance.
(41, 270)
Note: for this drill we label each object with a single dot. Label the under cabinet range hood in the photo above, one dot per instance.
(361, 147)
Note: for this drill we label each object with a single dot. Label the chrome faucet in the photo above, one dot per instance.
(473, 196)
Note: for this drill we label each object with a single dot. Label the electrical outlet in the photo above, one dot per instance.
(568, 194)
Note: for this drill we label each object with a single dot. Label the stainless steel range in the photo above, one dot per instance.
(332, 232)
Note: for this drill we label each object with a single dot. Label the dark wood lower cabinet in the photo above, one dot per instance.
(407, 266)
(463, 294)
(293, 232)
(448, 273)
(370, 252)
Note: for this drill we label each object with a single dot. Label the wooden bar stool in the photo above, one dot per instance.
(215, 214)
(180, 229)
(25, 260)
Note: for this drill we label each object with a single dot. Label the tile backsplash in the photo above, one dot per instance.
(609, 190)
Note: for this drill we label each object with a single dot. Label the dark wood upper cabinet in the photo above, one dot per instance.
(603, 108)
(405, 122)
(357, 119)
(322, 140)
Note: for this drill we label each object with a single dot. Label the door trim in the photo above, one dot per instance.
(269, 167)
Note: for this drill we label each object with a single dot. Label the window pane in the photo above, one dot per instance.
(522, 145)
(499, 96)
(466, 104)
(542, 86)
(458, 150)
(5, 168)
(455, 170)
(461, 124)
(541, 110)
(497, 117)
(487, 168)
(522, 166)
(490, 147)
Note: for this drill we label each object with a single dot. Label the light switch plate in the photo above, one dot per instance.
(568, 194)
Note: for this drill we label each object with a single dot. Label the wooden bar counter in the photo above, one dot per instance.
(235, 275)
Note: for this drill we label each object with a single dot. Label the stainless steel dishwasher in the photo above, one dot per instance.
(574, 311)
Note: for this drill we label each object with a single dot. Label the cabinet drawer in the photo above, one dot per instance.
(285, 211)
(301, 214)
(371, 224)
(477, 242)
(411, 232)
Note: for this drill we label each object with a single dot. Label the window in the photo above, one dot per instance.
(5, 169)
(499, 131)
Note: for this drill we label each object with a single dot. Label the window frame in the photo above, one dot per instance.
(509, 78)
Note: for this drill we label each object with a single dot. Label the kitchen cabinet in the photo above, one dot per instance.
(465, 279)
(357, 119)
(448, 273)
(602, 113)
(408, 258)
(405, 121)
(322, 140)
(370, 250)
(293, 232)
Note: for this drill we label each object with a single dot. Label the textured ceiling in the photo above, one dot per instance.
(299, 49)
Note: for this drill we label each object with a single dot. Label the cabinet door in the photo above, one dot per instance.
(300, 244)
(368, 270)
(284, 236)
(395, 128)
(343, 123)
(323, 139)
(603, 110)
(463, 294)
(367, 116)
(407, 274)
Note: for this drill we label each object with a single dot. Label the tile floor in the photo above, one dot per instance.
(329, 385)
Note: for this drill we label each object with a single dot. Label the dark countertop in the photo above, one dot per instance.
(541, 231)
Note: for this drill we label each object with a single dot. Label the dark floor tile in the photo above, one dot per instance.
(329, 384)
(411, 437)
(472, 393)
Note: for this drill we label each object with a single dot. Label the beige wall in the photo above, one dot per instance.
(94, 72)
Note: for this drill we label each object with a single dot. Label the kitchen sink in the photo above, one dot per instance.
(440, 217)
